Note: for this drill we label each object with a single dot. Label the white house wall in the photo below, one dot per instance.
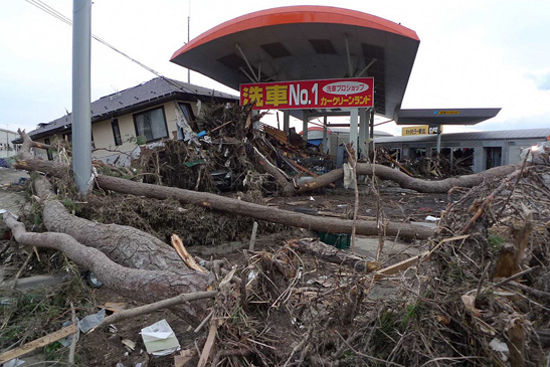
(104, 140)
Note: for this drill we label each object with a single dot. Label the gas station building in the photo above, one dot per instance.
(318, 61)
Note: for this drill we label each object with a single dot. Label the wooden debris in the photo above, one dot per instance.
(253, 236)
(184, 356)
(182, 298)
(177, 243)
(333, 255)
(38, 343)
(207, 349)
(405, 264)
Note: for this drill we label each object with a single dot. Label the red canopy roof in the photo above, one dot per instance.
(307, 42)
(297, 14)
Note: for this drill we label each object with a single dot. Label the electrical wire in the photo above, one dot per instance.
(54, 13)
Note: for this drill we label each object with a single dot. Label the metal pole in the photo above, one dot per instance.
(438, 142)
(371, 128)
(188, 37)
(363, 132)
(325, 134)
(353, 135)
(286, 121)
(81, 118)
(305, 126)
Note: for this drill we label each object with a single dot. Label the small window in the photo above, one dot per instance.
(116, 132)
(151, 124)
(50, 155)
(186, 108)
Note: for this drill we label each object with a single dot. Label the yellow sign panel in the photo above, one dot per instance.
(421, 130)
(448, 112)
(415, 130)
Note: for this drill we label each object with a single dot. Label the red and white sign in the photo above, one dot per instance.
(305, 94)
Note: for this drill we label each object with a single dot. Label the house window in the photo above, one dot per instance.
(116, 132)
(151, 124)
(186, 108)
(49, 151)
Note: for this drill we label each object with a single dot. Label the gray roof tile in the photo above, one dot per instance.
(140, 95)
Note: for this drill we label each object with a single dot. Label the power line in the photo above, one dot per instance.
(54, 13)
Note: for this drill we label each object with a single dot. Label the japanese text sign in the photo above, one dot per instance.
(421, 130)
(305, 94)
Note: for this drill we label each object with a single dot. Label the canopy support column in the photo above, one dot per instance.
(371, 134)
(305, 127)
(325, 135)
(286, 121)
(354, 117)
(363, 132)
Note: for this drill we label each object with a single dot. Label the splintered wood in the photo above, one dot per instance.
(177, 243)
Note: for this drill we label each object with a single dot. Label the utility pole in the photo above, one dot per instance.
(188, 38)
(81, 117)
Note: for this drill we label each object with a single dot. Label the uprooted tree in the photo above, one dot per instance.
(448, 315)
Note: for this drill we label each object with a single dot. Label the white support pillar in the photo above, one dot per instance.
(371, 132)
(325, 135)
(286, 121)
(353, 135)
(306, 120)
(363, 132)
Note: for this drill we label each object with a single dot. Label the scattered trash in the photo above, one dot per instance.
(96, 283)
(432, 218)
(159, 339)
(130, 344)
(7, 301)
(14, 363)
(91, 321)
(501, 347)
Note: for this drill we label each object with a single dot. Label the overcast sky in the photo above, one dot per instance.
(471, 54)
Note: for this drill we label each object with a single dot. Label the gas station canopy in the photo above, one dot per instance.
(307, 42)
(454, 116)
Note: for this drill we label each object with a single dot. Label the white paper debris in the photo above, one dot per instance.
(13, 363)
(432, 219)
(160, 338)
(499, 346)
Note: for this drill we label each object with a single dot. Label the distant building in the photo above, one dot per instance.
(147, 110)
(7, 148)
(487, 149)
(336, 136)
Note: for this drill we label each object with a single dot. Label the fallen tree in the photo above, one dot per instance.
(29, 162)
(144, 285)
(404, 180)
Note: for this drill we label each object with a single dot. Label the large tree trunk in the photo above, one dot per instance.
(224, 204)
(261, 212)
(125, 245)
(144, 285)
(405, 181)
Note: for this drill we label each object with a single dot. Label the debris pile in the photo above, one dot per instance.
(475, 294)
(442, 165)
(224, 151)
